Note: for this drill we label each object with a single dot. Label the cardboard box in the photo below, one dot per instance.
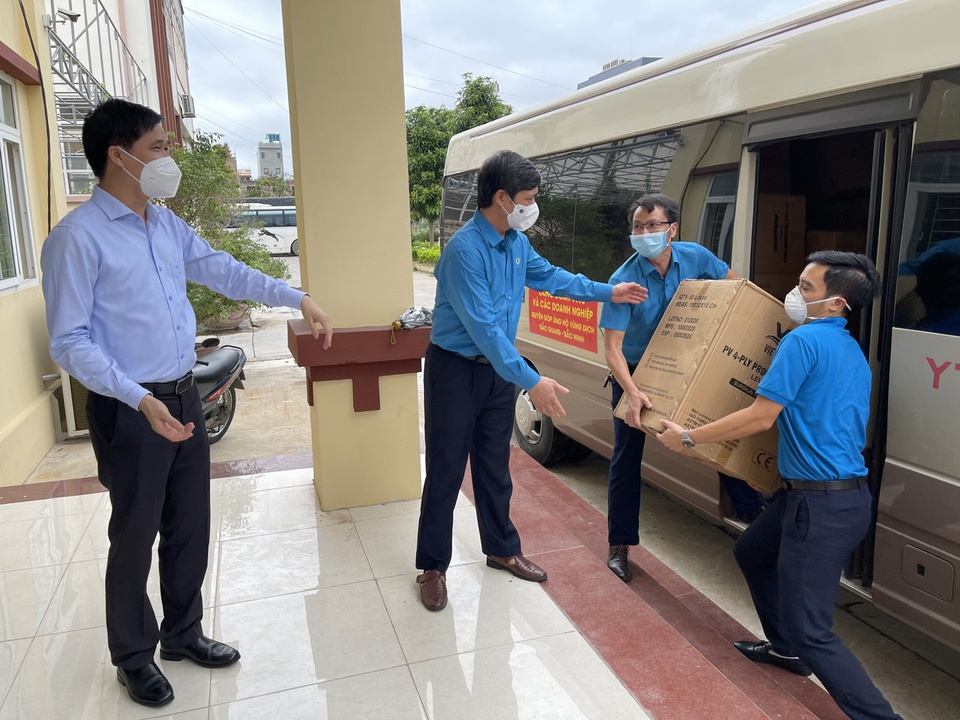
(780, 246)
(711, 349)
(834, 240)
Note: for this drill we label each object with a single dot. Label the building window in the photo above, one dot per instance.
(80, 178)
(17, 257)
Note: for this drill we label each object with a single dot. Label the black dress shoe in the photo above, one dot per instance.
(619, 561)
(762, 652)
(203, 651)
(146, 685)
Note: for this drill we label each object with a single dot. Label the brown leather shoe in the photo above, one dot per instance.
(433, 589)
(519, 566)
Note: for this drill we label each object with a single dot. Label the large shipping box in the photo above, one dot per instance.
(711, 349)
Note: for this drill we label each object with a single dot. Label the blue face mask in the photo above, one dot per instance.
(649, 245)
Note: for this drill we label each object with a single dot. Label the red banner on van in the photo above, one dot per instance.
(568, 321)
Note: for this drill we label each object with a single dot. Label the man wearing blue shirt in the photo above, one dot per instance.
(818, 392)
(472, 367)
(114, 279)
(660, 263)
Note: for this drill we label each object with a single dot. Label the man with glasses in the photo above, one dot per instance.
(659, 264)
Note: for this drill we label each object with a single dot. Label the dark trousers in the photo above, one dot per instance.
(623, 482)
(468, 410)
(792, 557)
(155, 486)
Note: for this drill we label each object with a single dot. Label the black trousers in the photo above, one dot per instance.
(155, 486)
(468, 410)
(792, 557)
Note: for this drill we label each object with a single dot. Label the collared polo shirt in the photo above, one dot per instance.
(480, 291)
(821, 378)
(688, 261)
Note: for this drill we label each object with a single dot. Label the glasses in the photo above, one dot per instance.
(650, 226)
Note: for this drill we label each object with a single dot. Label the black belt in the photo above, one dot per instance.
(174, 387)
(826, 485)
(478, 359)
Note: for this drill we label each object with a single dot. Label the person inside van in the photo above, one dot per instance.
(660, 263)
(793, 554)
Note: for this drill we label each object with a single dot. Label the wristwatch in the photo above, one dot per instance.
(686, 440)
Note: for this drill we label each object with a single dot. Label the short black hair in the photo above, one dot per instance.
(506, 171)
(115, 122)
(652, 201)
(851, 276)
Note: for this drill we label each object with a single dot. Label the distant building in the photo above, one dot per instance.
(615, 67)
(245, 179)
(270, 156)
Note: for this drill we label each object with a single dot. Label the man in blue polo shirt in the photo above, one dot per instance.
(659, 264)
(818, 392)
(472, 367)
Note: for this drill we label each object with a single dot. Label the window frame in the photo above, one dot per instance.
(725, 238)
(16, 199)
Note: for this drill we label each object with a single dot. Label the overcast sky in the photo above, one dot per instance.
(537, 50)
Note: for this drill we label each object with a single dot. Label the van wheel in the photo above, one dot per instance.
(295, 247)
(535, 432)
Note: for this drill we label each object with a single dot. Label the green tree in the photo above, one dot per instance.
(208, 189)
(478, 102)
(428, 134)
(206, 200)
(429, 130)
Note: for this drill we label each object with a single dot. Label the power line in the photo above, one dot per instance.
(414, 87)
(272, 39)
(279, 42)
(483, 62)
(236, 66)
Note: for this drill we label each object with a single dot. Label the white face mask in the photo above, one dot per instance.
(523, 216)
(160, 178)
(796, 306)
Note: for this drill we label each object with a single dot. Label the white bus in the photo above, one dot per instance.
(274, 226)
(846, 117)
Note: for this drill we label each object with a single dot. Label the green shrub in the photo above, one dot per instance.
(208, 304)
(426, 255)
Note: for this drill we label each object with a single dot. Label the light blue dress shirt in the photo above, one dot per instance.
(115, 292)
(480, 291)
(688, 261)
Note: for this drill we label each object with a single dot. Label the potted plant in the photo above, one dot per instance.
(206, 201)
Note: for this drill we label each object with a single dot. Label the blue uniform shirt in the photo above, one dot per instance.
(115, 290)
(688, 261)
(822, 379)
(480, 291)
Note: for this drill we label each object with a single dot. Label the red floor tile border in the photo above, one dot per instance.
(675, 639)
(89, 485)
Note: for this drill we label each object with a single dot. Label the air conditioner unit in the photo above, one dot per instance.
(188, 109)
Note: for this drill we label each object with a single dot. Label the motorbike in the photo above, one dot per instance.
(218, 373)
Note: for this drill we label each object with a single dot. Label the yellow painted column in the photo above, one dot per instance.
(345, 83)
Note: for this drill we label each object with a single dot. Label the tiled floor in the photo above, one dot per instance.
(323, 607)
